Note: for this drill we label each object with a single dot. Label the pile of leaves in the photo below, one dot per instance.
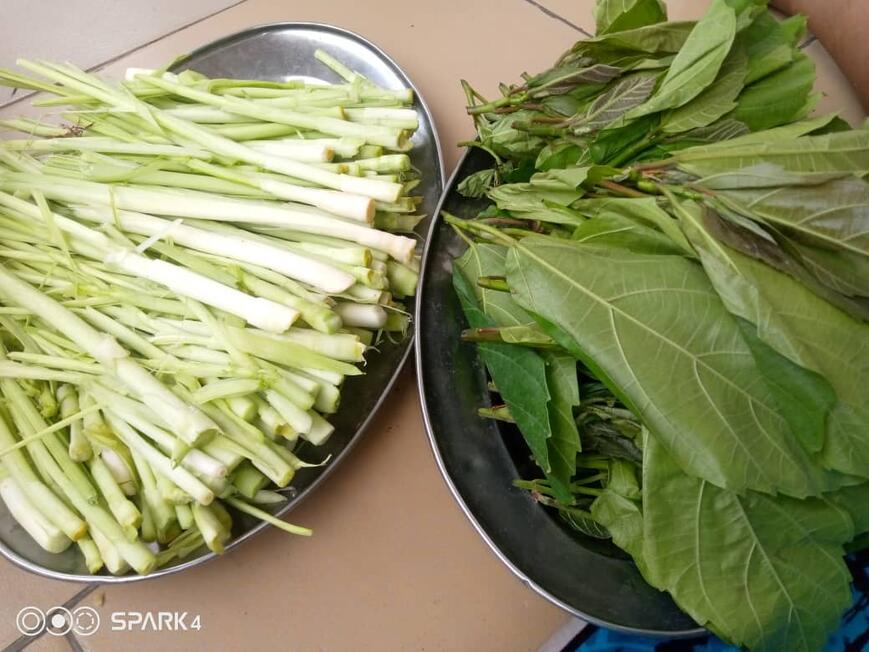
(670, 292)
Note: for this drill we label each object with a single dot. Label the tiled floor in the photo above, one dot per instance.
(102, 29)
(393, 564)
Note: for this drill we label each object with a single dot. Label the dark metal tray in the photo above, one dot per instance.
(479, 460)
(276, 52)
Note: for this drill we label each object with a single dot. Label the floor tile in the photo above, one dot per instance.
(90, 32)
(47, 643)
(22, 589)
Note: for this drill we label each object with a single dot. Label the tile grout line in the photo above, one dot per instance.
(73, 643)
(23, 641)
(20, 98)
(558, 17)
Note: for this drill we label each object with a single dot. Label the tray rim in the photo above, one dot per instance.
(37, 569)
(445, 475)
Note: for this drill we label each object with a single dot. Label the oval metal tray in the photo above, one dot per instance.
(277, 52)
(479, 460)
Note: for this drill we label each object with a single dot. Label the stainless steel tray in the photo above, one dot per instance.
(479, 460)
(276, 52)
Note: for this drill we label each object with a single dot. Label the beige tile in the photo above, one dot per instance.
(21, 589)
(48, 643)
(102, 29)
(838, 93)
(393, 565)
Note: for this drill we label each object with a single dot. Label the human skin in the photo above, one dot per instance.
(842, 26)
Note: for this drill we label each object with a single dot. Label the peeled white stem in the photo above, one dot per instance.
(160, 463)
(263, 313)
(361, 315)
(48, 536)
(190, 423)
(297, 150)
(308, 270)
(200, 205)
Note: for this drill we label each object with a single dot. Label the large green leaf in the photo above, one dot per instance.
(621, 15)
(773, 248)
(770, 44)
(843, 271)
(807, 330)
(698, 62)
(519, 374)
(627, 93)
(805, 398)
(778, 98)
(764, 572)
(834, 214)
(618, 230)
(778, 161)
(712, 103)
(645, 211)
(659, 334)
(658, 39)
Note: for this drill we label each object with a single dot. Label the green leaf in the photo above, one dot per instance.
(564, 78)
(698, 62)
(763, 572)
(643, 210)
(712, 103)
(476, 185)
(803, 327)
(661, 38)
(834, 214)
(782, 161)
(548, 194)
(668, 348)
(785, 132)
(624, 521)
(804, 397)
(581, 522)
(770, 44)
(778, 98)
(754, 240)
(507, 142)
(854, 500)
(621, 15)
(559, 154)
(528, 201)
(629, 92)
(484, 259)
(610, 145)
(573, 178)
(623, 480)
(518, 373)
(617, 230)
(845, 272)
(564, 391)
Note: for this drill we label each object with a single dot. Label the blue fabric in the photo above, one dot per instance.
(852, 635)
